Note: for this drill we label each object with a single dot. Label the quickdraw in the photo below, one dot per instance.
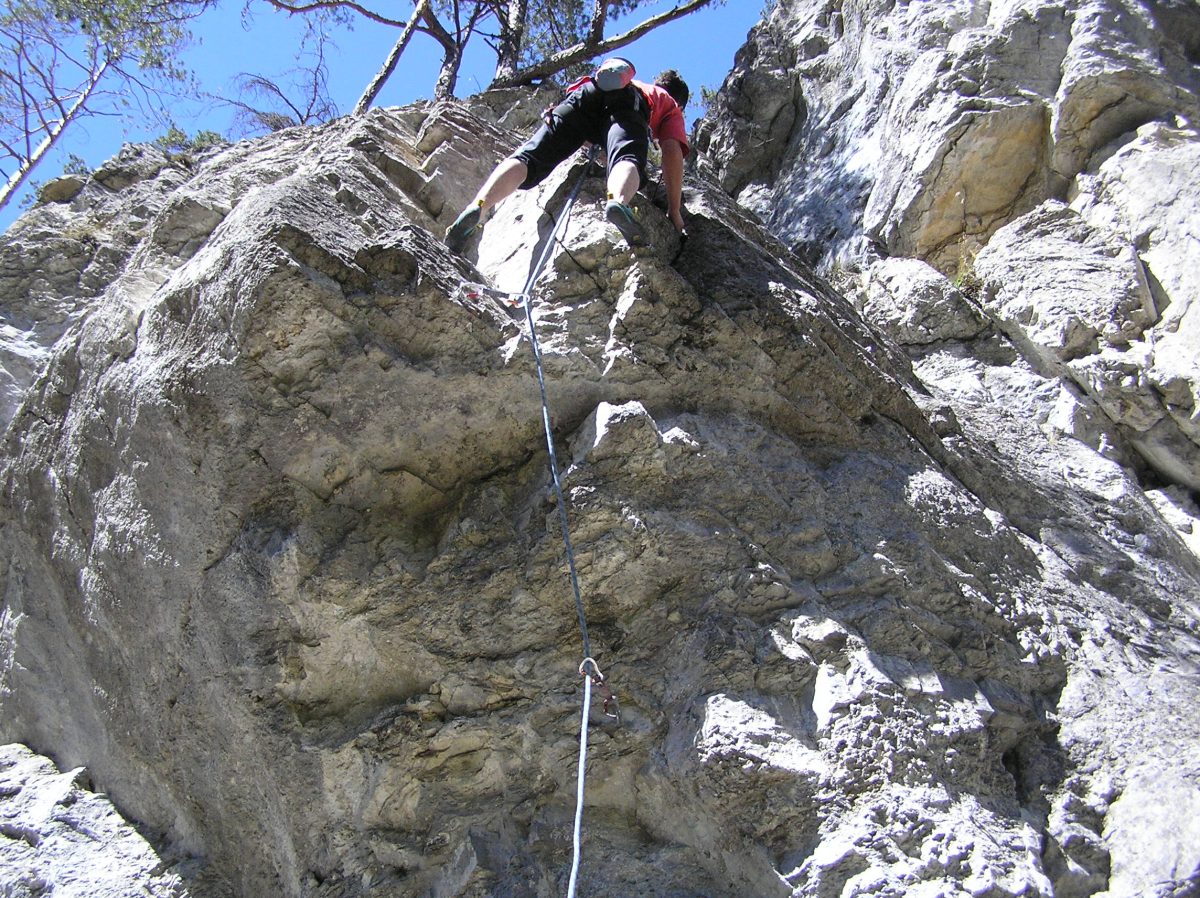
(597, 678)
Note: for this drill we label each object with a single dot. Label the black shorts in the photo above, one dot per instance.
(619, 120)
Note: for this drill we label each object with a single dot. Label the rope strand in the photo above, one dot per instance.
(583, 734)
(527, 295)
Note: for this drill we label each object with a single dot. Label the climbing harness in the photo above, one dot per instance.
(589, 670)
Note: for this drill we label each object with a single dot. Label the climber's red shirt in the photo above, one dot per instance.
(666, 118)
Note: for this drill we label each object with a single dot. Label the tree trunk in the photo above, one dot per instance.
(512, 41)
(452, 49)
(389, 64)
(447, 79)
(30, 163)
(596, 27)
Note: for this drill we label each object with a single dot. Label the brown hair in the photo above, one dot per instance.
(674, 85)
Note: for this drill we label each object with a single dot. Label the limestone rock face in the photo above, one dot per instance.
(915, 304)
(919, 129)
(58, 260)
(1068, 288)
(1076, 297)
(884, 615)
(1043, 157)
(1047, 149)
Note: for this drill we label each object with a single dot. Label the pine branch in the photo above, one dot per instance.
(292, 7)
(587, 49)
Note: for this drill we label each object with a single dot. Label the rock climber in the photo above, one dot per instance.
(608, 108)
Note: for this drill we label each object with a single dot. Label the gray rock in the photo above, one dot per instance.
(921, 129)
(915, 304)
(281, 562)
(1147, 190)
(134, 163)
(59, 838)
(62, 189)
(1064, 288)
(1075, 297)
(1122, 70)
(58, 261)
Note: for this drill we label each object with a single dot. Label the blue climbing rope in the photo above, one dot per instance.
(527, 297)
(592, 676)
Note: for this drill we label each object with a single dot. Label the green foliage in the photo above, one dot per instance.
(148, 32)
(33, 196)
(76, 165)
(177, 141)
(65, 60)
(553, 25)
(968, 283)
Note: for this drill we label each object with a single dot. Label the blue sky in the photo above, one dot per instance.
(701, 46)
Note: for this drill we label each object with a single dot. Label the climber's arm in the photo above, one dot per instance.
(672, 171)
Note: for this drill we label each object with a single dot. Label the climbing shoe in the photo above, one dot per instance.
(464, 226)
(621, 217)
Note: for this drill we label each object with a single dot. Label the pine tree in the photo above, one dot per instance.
(63, 60)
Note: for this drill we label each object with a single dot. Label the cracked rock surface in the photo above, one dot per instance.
(890, 604)
(865, 128)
